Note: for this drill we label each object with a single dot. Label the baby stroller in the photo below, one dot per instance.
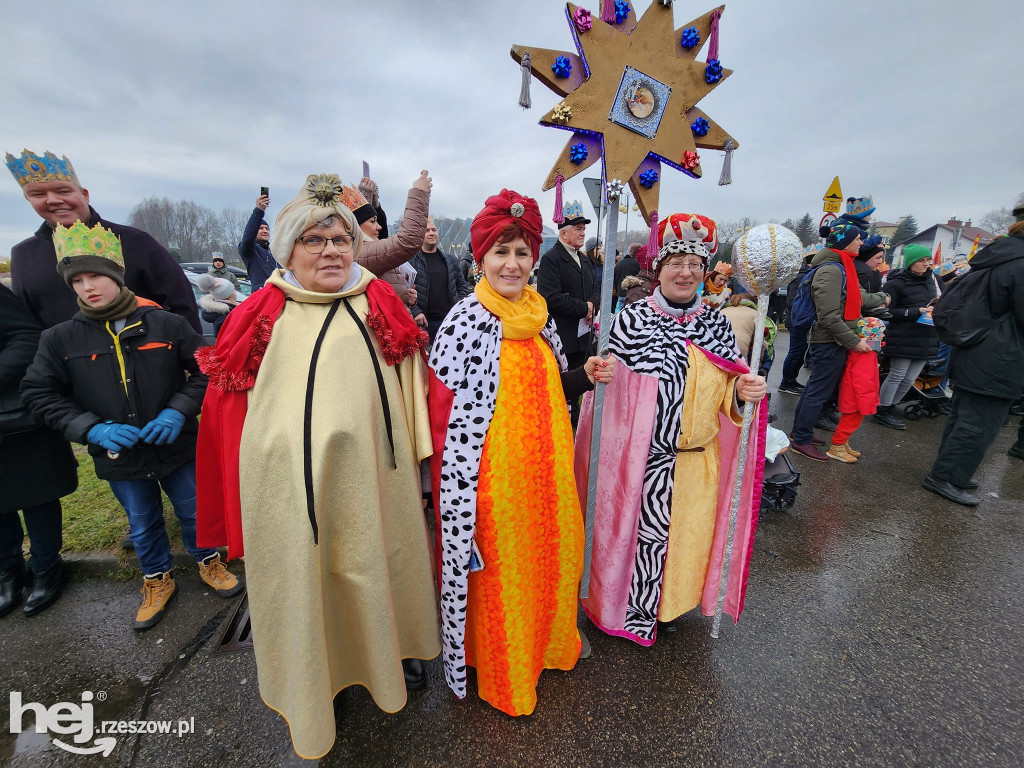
(781, 479)
(927, 397)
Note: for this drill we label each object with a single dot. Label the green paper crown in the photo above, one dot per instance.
(79, 240)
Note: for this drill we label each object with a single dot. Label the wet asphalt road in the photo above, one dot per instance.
(882, 628)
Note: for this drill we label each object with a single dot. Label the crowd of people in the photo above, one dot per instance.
(398, 443)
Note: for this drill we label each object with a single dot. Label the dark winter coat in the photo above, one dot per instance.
(150, 273)
(457, 287)
(259, 261)
(905, 337)
(36, 464)
(995, 366)
(870, 279)
(627, 267)
(567, 287)
(77, 381)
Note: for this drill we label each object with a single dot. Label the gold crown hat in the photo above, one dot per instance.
(81, 249)
(30, 168)
(352, 198)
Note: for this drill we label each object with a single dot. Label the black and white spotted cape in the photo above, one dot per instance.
(465, 360)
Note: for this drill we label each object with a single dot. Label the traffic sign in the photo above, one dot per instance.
(593, 188)
(833, 197)
(827, 219)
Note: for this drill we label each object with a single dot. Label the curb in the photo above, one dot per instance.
(108, 564)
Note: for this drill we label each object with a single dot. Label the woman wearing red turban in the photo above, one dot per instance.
(510, 530)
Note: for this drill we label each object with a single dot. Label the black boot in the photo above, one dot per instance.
(415, 673)
(884, 417)
(46, 589)
(12, 584)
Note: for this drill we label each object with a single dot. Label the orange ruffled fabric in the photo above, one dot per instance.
(521, 616)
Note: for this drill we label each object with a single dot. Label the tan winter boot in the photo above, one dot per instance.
(216, 574)
(849, 449)
(839, 453)
(157, 592)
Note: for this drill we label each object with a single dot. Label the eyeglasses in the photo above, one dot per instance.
(678, 267)
(316, 244)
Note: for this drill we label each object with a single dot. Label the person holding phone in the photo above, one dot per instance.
(909, 344)
(255, 246)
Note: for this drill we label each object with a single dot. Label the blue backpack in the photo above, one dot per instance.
(803, 314)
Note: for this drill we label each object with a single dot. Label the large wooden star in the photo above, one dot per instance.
(591, 90)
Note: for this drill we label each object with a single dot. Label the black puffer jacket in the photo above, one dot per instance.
(75, 383)
(905, 337)
(995, 366)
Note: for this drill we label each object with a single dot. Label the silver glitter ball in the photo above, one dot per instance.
(517, 209)
(767, 258)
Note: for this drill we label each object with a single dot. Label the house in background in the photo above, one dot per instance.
(955, 236)
(885, 230)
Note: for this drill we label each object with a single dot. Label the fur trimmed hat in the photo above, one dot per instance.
(680, 246)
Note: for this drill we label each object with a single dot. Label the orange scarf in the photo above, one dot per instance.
(521, 319)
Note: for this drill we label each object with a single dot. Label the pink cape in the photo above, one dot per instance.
(628, 423)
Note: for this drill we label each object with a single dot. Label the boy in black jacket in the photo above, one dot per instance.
(121, 376)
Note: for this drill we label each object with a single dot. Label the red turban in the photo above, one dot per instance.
(501, 211)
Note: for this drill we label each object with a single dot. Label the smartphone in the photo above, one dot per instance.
(264, 191)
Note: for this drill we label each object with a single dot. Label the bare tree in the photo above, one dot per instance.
(194, 229)
(232, 224)
(997, 221)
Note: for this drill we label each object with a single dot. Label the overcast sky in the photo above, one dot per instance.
(918, 103)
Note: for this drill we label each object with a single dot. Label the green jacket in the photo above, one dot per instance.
(827, 294)
(224, 274)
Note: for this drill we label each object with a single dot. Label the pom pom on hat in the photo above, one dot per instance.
(842, 235)
(217, 287)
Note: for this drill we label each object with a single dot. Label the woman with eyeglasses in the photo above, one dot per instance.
(669, 446)
(313, 426)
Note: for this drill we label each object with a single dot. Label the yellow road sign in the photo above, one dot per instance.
(831, 207)
(835, 192)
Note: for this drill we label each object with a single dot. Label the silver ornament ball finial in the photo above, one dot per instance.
(766, 258)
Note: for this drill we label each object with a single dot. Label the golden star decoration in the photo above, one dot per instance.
(652, 47)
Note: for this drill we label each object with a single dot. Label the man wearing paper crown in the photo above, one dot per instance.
(566, 281)
(52, 189)
(121, 377)
(672, 418)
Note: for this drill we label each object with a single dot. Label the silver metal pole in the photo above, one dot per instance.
(737, 491)
(607, 278)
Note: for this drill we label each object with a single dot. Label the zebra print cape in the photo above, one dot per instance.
(642, 417)
(464, 380)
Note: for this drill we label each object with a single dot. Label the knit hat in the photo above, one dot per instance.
(590, 244)
(914, 253)
(217, 287)
(319, 198)
(80, 249)
(681, 246)
(842, 235)
(860, 207)
(215, 259)
(506, 209)
(1018, 212)
(354, 200)
(870, 247)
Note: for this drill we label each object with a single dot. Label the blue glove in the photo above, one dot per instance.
(164, 429)
(114, 437)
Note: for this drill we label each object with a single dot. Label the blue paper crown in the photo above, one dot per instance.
(30, 168)
(572, 210)
(860, 207)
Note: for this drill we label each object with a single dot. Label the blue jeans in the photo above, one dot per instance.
(827, 364)
(795, 357)
(141, 500)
